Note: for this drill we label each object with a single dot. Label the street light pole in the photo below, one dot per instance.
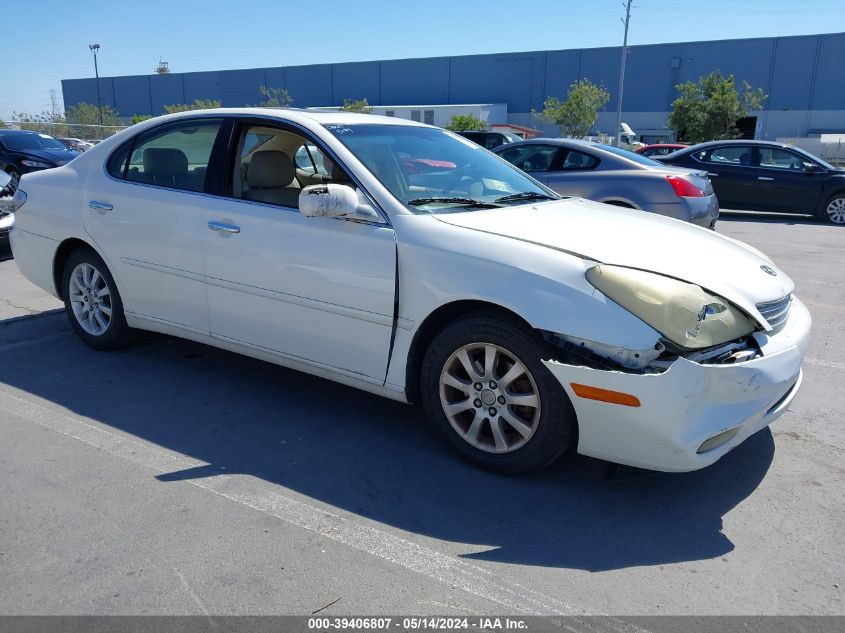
(94, 48)
(622, 74)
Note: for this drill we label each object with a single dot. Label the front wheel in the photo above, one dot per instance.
(834, 210)
(485, 387)
(92, 301)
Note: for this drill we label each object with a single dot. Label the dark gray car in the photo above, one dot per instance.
(616, 176)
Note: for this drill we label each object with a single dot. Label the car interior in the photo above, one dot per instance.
(275, 165)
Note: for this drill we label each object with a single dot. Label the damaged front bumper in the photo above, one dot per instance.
(691, 414)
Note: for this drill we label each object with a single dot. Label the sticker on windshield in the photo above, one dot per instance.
(338, 129)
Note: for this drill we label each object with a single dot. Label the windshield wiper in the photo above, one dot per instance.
(465, 202)
(525, 195)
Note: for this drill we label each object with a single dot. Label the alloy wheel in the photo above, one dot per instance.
(836, 210)
(490, 398)
(90, 299)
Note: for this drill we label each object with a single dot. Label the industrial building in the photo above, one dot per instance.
(804, 77)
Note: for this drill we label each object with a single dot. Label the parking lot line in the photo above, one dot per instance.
(242, 489)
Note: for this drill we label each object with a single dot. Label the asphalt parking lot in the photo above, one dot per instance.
(173, 478)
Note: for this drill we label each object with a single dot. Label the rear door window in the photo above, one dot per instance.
(732, 155)
(175, 157)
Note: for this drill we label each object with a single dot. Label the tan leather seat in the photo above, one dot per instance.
(168, 167)
(270, 177)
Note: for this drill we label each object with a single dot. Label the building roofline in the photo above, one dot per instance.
(499, 53)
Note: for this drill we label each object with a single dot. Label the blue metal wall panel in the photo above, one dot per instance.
(829, 84)
(164, 90)
(132, 95)
(309, 85)
(792, 75)
(601, 66)
(562, 68)
(415, 81)
(494, 79)
(239, 87)
(355, 81)
(204, 85)
(797, 72)
(76, 91)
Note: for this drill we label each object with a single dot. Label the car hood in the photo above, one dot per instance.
(56, 156)
(636, 239)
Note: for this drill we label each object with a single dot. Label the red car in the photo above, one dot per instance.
(661, 149)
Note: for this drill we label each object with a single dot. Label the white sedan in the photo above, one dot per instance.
(402, 259)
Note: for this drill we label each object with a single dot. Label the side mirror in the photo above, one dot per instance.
(333, 201)
(811, 168)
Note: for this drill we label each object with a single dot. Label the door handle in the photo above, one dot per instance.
(100, 206)
(764, 178)
(224, 228)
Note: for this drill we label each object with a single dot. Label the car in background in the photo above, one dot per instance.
(490, 139)
(23, 151)
(7, 219)
(660, 149)
(616, 176)
(76, 144)
(768, 176)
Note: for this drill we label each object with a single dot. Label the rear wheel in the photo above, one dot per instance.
(92, 301)
(834, 210)
(485, 387)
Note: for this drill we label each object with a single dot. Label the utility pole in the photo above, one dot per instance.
(94, 48)
(54, 106)
(622, 74)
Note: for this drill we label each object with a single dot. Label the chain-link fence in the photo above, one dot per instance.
(65, 130)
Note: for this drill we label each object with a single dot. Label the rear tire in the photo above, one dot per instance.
(93, 303)
(833, 211)
(520, 419)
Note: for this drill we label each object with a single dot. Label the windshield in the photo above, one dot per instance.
(624, 153)
(430, 170)
(30, 140)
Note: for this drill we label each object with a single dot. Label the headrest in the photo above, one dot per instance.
(268, 169)
(165, 161)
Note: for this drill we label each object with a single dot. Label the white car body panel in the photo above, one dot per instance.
(152, 242)
(321, 289)
(640, 240)
(319, 294)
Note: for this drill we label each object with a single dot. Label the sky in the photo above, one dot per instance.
(50, 38)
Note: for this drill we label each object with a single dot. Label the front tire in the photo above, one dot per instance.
(833, 211)
(93, 303)
(484, 385)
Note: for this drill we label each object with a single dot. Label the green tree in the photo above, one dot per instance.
(45, 122)
(274, 97)
(466, 122)
(198, 104)
(362, 106)
(83, 115)
(137, 118)
(710, 109)
(579, 112)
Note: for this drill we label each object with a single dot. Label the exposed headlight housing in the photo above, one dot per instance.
(36, 163)
(682, 312)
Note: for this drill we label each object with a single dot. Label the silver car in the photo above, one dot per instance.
(616, 176)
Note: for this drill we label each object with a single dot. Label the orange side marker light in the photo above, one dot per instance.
(605, 395)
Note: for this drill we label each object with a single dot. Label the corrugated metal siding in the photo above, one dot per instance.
(798, 72)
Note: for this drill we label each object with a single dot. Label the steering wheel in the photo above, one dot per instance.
(465, 171)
